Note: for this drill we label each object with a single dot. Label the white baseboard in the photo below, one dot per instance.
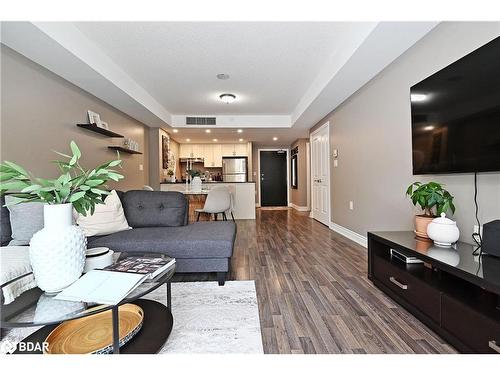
(299, 208)
(356, 237)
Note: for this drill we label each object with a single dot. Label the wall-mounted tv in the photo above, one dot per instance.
(455, 116)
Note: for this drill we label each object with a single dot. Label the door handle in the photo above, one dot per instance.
(393, 280)
(493, 345)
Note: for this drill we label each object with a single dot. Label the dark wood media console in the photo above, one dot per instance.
(455, 293)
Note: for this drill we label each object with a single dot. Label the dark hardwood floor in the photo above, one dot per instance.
(313, 292)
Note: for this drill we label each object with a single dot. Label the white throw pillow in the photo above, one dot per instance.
(108, 218)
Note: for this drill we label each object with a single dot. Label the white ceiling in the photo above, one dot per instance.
(271, 65)
(287, 76)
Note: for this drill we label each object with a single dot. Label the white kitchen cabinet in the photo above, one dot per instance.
(228, 149)
(232, 149)
(240, 149)
(212, 155)
(187, 150)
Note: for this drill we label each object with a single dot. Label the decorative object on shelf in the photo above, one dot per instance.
(93, 334)
(433, 199)
(94, 118)
(104, 125)
(130, 144)
(57, 252)
(443, 231)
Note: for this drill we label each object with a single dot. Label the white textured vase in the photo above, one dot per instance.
(196, 184)
(57, 252)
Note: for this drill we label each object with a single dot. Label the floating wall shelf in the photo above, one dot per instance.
(96, 129)
(123, 149)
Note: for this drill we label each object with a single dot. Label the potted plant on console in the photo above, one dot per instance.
(433, 199)
(57, 252)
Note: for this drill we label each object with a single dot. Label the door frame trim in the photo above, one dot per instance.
(311, 135)
(287, 150)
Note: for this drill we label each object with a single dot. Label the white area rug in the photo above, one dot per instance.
(208, 318)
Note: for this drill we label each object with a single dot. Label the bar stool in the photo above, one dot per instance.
(218, 202)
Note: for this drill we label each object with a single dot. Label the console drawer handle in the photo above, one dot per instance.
(393, 280)
(493, 345)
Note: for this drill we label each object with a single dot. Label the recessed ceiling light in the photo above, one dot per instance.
(176, 130)
(223, 76)
(215, 139)
(207, 131)
(188, 140)
(240, 131)
(241, 139)
(275, 138)
(227, 98)
(418, 97)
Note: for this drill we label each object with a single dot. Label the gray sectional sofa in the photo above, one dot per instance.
(160, 224)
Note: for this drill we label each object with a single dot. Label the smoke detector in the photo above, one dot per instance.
(222, 76)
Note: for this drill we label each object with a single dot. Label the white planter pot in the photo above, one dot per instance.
(196, 184)
(57, 252)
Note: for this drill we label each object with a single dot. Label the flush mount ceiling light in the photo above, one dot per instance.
(176, 130)
(222, 76)
(215, 139)
(275, 138)
(188, 140)
(207, 131)
(227, 98)
(240, 131)
(418, 97)
(241, 139)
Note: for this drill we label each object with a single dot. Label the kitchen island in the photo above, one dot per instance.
(243, 197)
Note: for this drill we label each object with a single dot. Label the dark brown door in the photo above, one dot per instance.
(273, 181)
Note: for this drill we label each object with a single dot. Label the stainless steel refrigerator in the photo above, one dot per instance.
(234, 169)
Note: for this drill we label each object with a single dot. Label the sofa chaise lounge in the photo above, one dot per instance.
(159, 222)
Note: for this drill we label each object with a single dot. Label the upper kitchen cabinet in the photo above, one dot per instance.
(212, 155)
(238, 149)
(187, 150)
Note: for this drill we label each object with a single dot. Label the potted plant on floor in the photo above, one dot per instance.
(57, 252)
(433, 199)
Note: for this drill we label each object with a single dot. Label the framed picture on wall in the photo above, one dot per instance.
(294, 169)
(165, 146)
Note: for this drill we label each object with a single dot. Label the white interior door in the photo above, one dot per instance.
(320, 174)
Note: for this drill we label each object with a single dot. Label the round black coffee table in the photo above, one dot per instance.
(33, 308)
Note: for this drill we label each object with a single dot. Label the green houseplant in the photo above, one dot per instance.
(57, 252)
(82, 188)
(433, 199)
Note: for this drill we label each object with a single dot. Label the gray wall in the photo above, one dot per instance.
(372, 132)
(39, 113)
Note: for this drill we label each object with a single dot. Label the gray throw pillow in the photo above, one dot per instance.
(25, 220)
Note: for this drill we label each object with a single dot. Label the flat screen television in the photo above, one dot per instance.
(455, 116)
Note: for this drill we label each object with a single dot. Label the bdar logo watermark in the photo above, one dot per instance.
(11, 347)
